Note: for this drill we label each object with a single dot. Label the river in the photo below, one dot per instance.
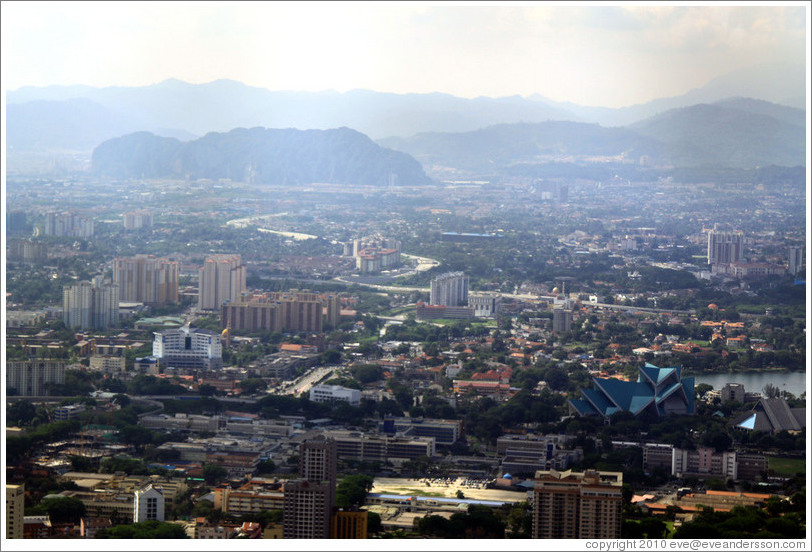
(794, 382)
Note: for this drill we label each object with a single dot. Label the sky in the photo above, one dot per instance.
(591, 54)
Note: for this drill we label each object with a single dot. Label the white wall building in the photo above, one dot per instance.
(330, 393)
(188, 348)
(148, 504)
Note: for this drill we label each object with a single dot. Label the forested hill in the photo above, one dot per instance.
(260, 155)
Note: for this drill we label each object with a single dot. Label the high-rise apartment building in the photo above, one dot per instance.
(562, 319)
(90, 305)
(450, 290)
(309, 500)
(137, 219)
(30, 378)
(725, 246)
(577, 505)
(15, 514)
(280, 311)
(796, 259)
(222, 278)
(68, 224)
(146, 279)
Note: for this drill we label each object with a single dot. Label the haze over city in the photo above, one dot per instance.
(406, 270)
(597, 55)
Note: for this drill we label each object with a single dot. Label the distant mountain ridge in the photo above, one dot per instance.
(734, 133)
(260, 155)
(195, 109)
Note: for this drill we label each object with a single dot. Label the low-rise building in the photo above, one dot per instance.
(333, 393)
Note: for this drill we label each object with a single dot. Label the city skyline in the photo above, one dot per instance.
(582, 53)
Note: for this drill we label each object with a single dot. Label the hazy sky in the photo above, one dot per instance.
(607, 55)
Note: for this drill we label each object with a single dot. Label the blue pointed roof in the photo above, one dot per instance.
(652, 389)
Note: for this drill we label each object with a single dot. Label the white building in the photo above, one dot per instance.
(222, 278)
(330, 393)
(188, 348)
(31, 377)
(148, 504)
(485, 305)
(450, 290)
(89, 305)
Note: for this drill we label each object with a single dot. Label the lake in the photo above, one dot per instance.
(794, 382)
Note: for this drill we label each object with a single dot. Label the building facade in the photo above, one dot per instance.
(188, 348)
(90, 305)
(148, 504)
(222, 278)
(281, 311)
(30, 378)
(450, 290)
(725, 247)
(146, 279)
(577, 505)
(333, 393)
(796, 259)
(15, 511)
(309, 500)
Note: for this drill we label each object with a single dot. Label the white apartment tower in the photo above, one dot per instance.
(89, 305)
(222, 278)
(450, 290)
(146, 279)
(725, 247)
(796, 259)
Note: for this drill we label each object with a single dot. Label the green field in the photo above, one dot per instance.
(787, 466)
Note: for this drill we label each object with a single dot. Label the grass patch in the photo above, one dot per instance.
(787, 466)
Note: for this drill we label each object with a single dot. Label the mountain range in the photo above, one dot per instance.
(718, 124)
(261, 156)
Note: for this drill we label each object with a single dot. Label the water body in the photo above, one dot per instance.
(794, 382)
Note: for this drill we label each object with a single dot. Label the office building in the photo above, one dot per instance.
(577, 505)
(188, 348)
(445, 432)
(365, 447)
(485, 305)
(334, 393)
(349, 525)
(89, 305)
(725, 247)
(796, 259)
(148, 504)
(31, 378)
(308, 503)
(732, 392)
(222, 278)
(307, 509)
(450, 290)
(15, 511)
(146, 279)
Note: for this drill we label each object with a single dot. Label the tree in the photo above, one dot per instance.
(61, 509)
(352, 490)
(144, 530)
(213, 473)
(374, 523)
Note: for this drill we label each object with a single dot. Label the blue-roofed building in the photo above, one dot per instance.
(659, 391)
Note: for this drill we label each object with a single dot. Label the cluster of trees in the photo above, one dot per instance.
(479, 522)
(780, 519)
